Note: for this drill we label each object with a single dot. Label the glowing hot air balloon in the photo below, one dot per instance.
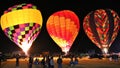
(22, 24)
(63, 27)
(102, 26)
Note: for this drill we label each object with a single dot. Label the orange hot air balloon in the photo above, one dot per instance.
(63, 27)
(102, 26)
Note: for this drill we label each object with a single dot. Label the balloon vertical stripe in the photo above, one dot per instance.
(111, 20)
(102, 27)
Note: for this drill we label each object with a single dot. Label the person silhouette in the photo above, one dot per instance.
(43, 62)
(30, 61)
(51, 62)
(59, 62)
(17, 60)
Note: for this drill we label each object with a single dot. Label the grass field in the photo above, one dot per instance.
(83, 63)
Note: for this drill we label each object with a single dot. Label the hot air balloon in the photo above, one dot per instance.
(63, 27)
(101, 26)
(22, 24)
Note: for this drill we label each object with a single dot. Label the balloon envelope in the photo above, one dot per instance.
(102, 26)
(22, 24)
(63, 27)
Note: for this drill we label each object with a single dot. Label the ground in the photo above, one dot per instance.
(83, 63)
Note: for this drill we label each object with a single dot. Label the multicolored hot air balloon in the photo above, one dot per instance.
(63, 27)
(22, 24)
(102, 26)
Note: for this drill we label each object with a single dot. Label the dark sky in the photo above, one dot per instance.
(48, 7)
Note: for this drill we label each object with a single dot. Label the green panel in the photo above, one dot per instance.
(19, 6)
(14, 9)
(11, 28)
(9, 32)
(23, 4)
(9, 36)
(22, 33)
(31, 24)
(34, 31)
(26, 28)
(37, 29)
(34, 7)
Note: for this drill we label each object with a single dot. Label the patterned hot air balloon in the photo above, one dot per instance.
(63, 27)
(102, 26)
(22, 24)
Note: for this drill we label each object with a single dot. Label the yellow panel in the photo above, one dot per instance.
(59, 41)
(21, 17)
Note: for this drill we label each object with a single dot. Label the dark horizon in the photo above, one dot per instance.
(43, 42)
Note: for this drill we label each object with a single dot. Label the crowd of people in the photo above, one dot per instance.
(48, 62)
(73, 61)
(114, 57)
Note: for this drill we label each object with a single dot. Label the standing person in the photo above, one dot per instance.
(30, 61)
(17, 60)
(43, 62)
(59, 62)
(51, 62)
(116, 57)
(47, 62)
(36, 62)
(71, 62)
(0, 59)
(75, 61)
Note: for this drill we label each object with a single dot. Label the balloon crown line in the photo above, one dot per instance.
(20, 6)
(29, 6)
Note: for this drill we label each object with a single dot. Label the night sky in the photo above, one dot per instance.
(47, 7)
